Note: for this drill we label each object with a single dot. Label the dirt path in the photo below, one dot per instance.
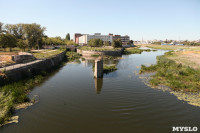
(8, 68)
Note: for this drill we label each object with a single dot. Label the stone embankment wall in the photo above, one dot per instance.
(32, 68)
(90, 53)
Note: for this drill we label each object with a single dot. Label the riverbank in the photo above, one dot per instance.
(16, 93)
(177, 75)
(137, 50)
(177, 72)
(23, 70)
(101, 51)
(107, 48)
(169, 47)
(71, 56)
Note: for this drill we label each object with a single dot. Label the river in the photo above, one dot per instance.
(72, 101)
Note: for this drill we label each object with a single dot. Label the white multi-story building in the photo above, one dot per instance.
(85, 38)
(82, 39)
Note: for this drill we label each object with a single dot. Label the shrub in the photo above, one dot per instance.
(106, 43)
(95, 43)
(109, 68)
(117, 43)
(71, 56)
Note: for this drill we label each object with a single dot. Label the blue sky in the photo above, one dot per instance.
(150, 19)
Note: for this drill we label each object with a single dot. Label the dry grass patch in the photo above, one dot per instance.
(187, 58)
(171, 47)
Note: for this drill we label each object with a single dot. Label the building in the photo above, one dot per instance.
(85, 38)
(124, 39)
(82, 39)
(76, 37)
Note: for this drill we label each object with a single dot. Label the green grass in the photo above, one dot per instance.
(83, 59)
(174, 75)
(87, 48)
(109, 68)
(109, 57)
(95, 55)
(71, 56)
(132, 51)
(136, 50)
(15, 93)
(45, 54)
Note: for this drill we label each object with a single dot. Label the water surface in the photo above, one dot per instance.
(72, 101)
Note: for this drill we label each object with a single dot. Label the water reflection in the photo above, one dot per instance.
(97, 64)
(98, 84)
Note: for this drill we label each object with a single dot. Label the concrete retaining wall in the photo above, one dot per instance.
(22, 58)
(90, 53)
(31, 68)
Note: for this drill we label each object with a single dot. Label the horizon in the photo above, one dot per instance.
(147, 20)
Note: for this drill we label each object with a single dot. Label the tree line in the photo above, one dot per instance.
(28, 36)
(99, 43)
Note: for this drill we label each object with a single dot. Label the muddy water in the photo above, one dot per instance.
(72, 101)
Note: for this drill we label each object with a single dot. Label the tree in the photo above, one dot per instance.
(106, 43)
(131, 41)
(3, 41)
(117, 43)
(7, 40)
(92, 43)
(67, 37)
(70, 42)
(100, 43)
(22, 44)
(95, 42)
(12, 41)
(1, 28)
(158, 43)
(16, 30)
(33, 33)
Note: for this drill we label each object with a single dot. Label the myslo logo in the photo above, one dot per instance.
(184, 129)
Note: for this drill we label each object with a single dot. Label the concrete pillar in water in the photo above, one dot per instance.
(98, 70)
